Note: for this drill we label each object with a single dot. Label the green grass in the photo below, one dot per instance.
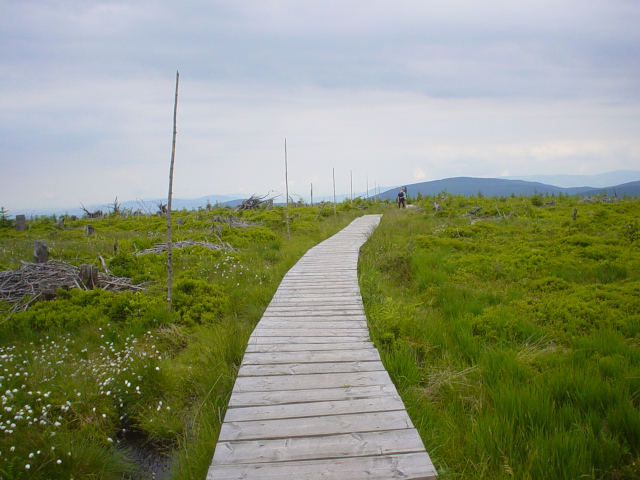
(513, 342)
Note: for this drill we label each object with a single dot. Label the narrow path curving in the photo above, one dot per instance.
(312, 399)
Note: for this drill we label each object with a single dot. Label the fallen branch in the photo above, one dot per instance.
(162, 247)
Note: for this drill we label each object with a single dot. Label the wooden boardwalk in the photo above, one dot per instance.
(312, 399)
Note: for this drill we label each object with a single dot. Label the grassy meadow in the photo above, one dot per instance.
(513, 334)
(102, 385)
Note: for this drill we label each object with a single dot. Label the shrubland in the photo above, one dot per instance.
(93, 382)
(513, 333)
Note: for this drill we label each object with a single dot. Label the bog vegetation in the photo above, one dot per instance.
(512, 332)
(97, 384)
(510, 329)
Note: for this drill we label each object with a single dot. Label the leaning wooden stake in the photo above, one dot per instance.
(286, 183)
(169, 244)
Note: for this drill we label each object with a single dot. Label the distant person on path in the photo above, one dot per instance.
(402, 198)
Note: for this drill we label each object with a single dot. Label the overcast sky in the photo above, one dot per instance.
(398, 92)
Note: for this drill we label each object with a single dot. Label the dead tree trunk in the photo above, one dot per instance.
(169, 244)
(40, 252)
(89, 276)
(21, 223)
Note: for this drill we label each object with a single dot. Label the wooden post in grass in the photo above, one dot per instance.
(286, 184)
(169, 244)
(312, 194)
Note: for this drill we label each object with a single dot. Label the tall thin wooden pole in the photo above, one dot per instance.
(169, 243)
(335, 212)
(286, 182)
(312, 194)
(351, 172)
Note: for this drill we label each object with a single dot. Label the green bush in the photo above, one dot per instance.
(198, 301)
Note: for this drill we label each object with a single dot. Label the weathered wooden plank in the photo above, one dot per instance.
(410, 466)
(310, 332)
(326, 425)
(308, 368)
(319, 447)
(313, 316)
(316, 409)
(239, 399)
(318, 331)
(362, 355)
(307, 347)
(310, 340)
(314, 380)
(316, 318)
(307, 325)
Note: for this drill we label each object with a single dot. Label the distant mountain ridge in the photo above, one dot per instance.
(601, 180)
(496, 187)
(504, 186)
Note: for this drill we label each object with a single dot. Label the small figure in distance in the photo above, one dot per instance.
(402, 198)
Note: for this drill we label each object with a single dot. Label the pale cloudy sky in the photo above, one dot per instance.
(396, 91)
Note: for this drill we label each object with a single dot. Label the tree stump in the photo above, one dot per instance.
(89, 230)
(40, 252)
(575, 214)
(21, 223)
(89, 276)
(48, 288)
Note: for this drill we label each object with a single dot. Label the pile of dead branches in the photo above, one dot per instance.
(599, 200)
(38, 281)
(162, 247)
(234, 222)
(255, 201)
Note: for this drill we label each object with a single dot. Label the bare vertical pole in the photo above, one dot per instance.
(335, 213)
(351, 172)
(169, 244)
(312, 194)
(286, 182)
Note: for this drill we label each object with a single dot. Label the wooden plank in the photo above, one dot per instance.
(311, 332)
(410, 466)
(307, 347)
(316, 318)
(321, 447)
(326, 425)
(310, 325)
(310, 340)
(239, 399)
(308, 368)
(316, 409)
(314, 380)
(362, 355)
(302, 310)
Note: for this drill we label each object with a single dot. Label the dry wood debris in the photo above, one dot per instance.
(255, 201)
(32, 281)
(162, 247)
(235, 222)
